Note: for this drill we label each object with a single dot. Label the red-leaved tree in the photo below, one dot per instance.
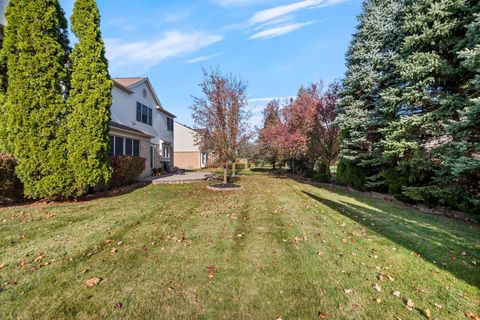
(272, 133)
(324, 136)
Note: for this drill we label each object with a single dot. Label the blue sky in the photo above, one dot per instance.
(276, 45)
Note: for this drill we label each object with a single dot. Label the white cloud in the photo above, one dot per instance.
(204, 58)
(279, 31)
(228, 3)
(277, 12)
(142, 55)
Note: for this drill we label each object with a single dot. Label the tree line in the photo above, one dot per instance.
(410, 103)
(55, 100)
(406, 117)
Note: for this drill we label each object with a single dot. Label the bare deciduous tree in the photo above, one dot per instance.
(223, 112)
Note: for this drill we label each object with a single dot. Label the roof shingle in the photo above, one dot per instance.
(127, 82)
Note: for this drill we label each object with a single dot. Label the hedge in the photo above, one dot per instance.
(125, 169)
(10, 186)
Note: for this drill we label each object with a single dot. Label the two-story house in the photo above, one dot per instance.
(140, 125)
(187, 149)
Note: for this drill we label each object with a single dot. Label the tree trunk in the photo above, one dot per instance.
(327, 170)
(233, 169)
(225, 174)
(274, 165)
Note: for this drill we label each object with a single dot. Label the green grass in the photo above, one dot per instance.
(280, 249)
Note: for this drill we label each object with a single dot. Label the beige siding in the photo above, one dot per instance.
(187, 160)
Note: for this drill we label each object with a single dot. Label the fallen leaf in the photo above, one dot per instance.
(471, 316)
(85, 271)
(3, 265)
(381, 276)
(463, 253)
(348, 291)
(118, 305)
(92, 282)
(378, 300)
(409, 304)
(428, 314)
(377, 287)
(396, 293)
(438, 306)
(114, 250)
(322, 315)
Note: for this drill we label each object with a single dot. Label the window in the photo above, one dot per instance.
(139, 112)
(128, 147)
(152, 157)
(120, 146)
(136, 148)
(144, 114)
(166, 152)
(169, 124)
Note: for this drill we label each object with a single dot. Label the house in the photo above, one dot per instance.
(140, 126)
(187, 151)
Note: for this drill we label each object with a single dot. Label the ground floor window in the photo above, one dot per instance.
(204, 159)
(152, 157)
(166, 151)
(120, 146)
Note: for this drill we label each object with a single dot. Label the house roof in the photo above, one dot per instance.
(202, 131)
(123, 127)
(128, 83)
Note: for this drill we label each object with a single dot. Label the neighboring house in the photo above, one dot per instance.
(188, 154)
(140, 125)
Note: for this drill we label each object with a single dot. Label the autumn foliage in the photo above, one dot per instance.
(303, 131)
(222, 111)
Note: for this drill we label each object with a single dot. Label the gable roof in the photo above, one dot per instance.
(131, 82)
(127, 82)
(202, 131)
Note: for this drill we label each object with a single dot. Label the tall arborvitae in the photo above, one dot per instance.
(36, 51)
(3, 91)
(90, 99)
(433, 92)
(362, 111)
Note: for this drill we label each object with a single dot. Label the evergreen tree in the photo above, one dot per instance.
(371, 69)
(3, 91)
(36, 51)
(459, 176)
(90, 99)
(432, 94)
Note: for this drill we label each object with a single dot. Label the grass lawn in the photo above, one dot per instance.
(277, 249)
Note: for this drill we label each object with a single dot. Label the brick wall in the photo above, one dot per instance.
(187, 160)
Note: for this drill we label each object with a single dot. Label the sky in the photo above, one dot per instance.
(275, 45)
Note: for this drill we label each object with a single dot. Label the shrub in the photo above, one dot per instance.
(10, 187)
(125, 169)
(351, 175)
(238, 166)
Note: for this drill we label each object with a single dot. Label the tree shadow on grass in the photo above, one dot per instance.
(116, 192)
(437, 240)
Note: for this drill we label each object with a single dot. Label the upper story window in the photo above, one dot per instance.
(169, 124)
(144, 114)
